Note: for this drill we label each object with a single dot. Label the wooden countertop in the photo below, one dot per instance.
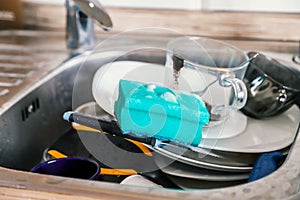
(232, 25)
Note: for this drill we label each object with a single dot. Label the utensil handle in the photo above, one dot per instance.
(108, 126)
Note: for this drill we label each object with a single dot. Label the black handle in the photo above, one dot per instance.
(103, 125)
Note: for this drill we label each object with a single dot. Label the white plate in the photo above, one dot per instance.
(169, 157)
(106, 82)
(260, 135)
(188, 171)
(194, 184)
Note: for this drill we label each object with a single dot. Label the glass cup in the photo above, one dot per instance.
(211, 69)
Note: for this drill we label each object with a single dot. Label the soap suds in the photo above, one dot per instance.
(168, 96)
(151, 87)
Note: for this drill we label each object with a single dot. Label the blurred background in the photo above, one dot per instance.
(255, 20)
(255, 5)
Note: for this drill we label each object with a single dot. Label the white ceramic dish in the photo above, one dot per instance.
(170, 156)
(194, 184)
(260, 135)
(106, 79)
(187, 171)
(205, 157)
(92, 108)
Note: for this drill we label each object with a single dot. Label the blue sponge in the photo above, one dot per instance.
(155, 111)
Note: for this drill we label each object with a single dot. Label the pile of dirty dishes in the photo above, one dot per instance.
(231, 146)
(228, 151)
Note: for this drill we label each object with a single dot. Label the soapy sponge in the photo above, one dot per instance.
(155, 111)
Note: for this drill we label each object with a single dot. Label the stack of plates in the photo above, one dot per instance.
(226, 153)
(227, 161)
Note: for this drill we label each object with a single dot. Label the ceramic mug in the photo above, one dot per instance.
(273, 87)
(214, 68)
(72, 167)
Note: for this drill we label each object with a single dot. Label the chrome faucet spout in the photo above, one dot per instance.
(81, 14)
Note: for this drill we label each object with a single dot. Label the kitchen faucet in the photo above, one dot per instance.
(80, 33)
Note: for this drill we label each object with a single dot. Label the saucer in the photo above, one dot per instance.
(234, 125)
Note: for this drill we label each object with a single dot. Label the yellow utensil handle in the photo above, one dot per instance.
(56, 154)
(117, 172)
(79, 127)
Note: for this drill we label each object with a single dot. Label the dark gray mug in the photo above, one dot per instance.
(273, 87)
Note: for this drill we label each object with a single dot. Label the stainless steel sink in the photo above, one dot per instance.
(24, 59)
(32, 120)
